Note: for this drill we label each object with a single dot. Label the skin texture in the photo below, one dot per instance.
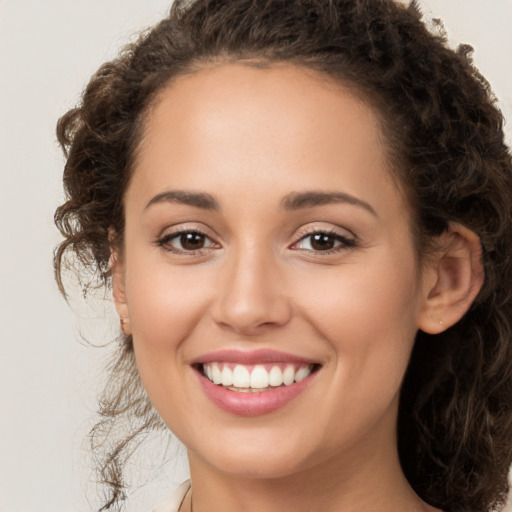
(251, 137)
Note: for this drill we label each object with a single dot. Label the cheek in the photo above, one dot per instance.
(367, 315)
(165, 304)
(359, 299)
(367, 319)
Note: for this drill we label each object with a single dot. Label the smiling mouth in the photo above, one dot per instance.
(255, 378)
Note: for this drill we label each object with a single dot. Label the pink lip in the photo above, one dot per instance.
(253, 357)
(251, 404)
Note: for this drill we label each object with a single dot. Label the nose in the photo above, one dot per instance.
(251, 295)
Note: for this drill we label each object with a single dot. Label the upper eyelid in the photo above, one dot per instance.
(344, 242)
(175, 234)
(186, 228)
(332, 230)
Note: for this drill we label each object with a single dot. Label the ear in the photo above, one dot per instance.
(452, 279)
(118, 291)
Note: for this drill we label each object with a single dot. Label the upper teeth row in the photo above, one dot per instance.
(242, 377)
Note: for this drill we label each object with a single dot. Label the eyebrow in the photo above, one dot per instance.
(293, 201)
(298, 200)
(197, 199)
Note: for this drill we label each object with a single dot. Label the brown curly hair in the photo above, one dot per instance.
(446, 139)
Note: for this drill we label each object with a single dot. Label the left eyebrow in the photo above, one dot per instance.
(197, 199)
(309, 199)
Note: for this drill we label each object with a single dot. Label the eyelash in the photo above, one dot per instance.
(166, 239)
(344, 242)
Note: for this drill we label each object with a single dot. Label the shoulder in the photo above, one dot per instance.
(172, 504)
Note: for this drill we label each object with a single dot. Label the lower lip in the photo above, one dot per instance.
(250, 403)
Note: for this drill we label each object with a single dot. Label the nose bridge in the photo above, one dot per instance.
(250, 292)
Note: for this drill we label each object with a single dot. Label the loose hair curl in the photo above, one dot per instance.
(447, 147)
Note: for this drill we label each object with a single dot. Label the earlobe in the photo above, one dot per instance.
(454, 278)
(118, 291)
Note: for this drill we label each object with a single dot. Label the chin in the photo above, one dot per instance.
(258, 458)
(258, 467)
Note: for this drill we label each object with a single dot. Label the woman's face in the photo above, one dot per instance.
(266, 240)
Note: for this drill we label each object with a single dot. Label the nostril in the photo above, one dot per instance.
(250, 300)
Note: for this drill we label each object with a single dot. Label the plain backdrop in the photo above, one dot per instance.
(49, 376)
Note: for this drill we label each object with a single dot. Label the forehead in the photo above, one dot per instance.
(216, 97)
(235, 125)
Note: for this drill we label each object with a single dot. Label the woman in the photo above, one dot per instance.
(304, 211)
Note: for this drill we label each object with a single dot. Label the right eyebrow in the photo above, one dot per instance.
(310, 199)
(197, 199)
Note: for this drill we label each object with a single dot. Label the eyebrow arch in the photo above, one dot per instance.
(197, 199)
(298, 200)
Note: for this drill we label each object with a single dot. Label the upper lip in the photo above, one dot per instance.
(251, 357)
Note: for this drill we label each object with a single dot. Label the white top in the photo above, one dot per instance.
(173, 503)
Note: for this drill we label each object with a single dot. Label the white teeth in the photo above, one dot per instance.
(258, 378)
(275, 377)
(227, 376)
(216, 374)
(302, 373)
(289, 375)
(241, 377)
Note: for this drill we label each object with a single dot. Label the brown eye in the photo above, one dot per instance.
(186, 242)
(322, 242)
(192, 241)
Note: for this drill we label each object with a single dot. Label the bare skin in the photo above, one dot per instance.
(246, 144)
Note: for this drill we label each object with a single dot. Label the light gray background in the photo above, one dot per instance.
(48, 377)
